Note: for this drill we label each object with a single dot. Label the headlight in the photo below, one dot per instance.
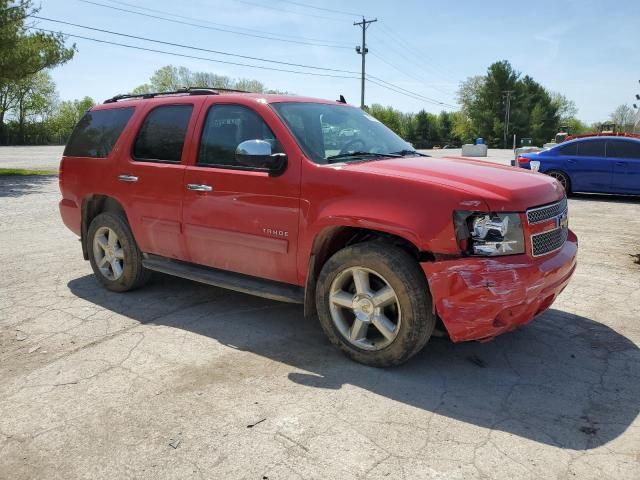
(489, 234)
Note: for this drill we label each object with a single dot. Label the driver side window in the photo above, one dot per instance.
(226, 127)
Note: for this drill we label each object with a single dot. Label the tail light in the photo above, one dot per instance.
(522, 160)
(60, 170)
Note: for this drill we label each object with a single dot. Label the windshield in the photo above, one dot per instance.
(329, 133)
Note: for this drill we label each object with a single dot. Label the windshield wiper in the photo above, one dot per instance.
(405, 153)
(362, 155)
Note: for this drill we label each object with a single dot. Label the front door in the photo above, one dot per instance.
(236, 219)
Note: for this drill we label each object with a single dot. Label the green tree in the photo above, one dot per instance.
(387, 115)
(171, 78)
(66, 116)
(33, 100)
(24, 54)
(623, 116)
(576, 126)
(463, 129)
(445, 128)
(533, 111)
(426, 127)
(566, 108)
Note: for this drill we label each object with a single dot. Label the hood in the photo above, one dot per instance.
(503, 188)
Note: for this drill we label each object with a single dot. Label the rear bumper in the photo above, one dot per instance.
(70, 213)
(479, 298)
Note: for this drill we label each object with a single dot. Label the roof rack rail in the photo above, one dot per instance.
(180, 91)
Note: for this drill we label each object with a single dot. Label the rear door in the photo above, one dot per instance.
(590, 170)
(151, 174)
(625, 156)
(240, 220)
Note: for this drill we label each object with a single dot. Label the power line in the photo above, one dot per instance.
(268, 7)
(410, 95)
(348, 72)
(153, 50)
(422, 97)
(190, 47)
(173, 20)
(420, 56)
(400, 53)
(415, 77)
(374, 80)
(172, 14)
(324, 9)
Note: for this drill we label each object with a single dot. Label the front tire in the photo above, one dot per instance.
(562, 179)
(114, 255)
(373, 303)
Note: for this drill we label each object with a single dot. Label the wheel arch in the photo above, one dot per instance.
(334, 238)
(563, 172)
(92, 206)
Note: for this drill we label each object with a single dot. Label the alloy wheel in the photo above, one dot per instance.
(560, 178)
(108, 253)
(365, 308)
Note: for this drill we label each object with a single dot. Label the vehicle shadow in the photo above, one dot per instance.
(18, 185)
(564, 380)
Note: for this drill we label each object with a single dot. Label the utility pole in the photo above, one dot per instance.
(362, 50)
(507, 114)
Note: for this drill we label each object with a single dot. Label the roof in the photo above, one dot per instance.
(167, 97)
(594, 136)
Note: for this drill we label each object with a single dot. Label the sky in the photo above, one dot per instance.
(587, 50)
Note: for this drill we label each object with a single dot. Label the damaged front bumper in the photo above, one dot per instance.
(479, 298)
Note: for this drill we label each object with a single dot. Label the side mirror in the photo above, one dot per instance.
(257, 155)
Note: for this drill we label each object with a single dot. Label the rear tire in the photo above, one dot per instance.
(374, 304)
(562, 178)
(114, 255)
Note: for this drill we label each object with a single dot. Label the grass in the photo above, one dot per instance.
(21, 172)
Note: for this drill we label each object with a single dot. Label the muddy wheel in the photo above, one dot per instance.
(115, 258)
(374, 304)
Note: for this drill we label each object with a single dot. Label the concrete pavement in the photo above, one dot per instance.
(181, 380)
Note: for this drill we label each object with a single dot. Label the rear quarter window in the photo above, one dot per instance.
(571, 149)
(97, 132)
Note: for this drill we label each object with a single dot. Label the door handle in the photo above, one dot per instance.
(620, 164)
(571, 161)
(197, 187)
(128, 178)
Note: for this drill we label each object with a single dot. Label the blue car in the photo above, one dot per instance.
(592, 164)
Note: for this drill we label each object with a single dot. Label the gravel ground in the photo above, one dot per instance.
(37, 158)
(181, 380)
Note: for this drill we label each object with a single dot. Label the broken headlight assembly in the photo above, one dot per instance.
(489, 234)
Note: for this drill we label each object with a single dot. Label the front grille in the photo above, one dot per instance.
(549, 241)
(540, 214)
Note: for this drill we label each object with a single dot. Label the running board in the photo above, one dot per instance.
(238, 282)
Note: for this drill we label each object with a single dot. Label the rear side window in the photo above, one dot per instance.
(161, 136)
(591, 149)
(623, 149)
(571, 149)
(97, 132)
(226, 127)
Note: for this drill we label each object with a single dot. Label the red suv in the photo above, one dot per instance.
(314, 202)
